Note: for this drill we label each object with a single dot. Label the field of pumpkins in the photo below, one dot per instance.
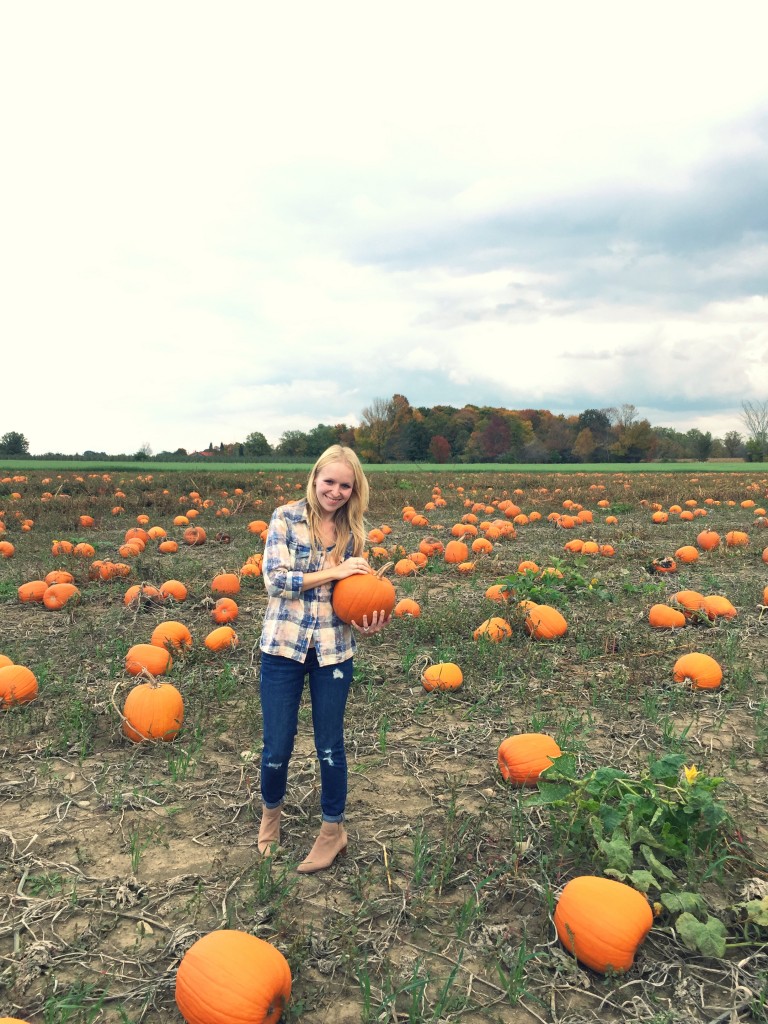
(558, 747)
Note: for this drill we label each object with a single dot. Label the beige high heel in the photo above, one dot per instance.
(269, 830)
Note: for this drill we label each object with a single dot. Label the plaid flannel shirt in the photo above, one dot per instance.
(296, 618)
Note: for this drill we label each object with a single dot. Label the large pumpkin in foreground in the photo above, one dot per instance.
(602, 922)
(231, 977)
(363, 594)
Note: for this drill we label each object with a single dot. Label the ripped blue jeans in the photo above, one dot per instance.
(281, 686)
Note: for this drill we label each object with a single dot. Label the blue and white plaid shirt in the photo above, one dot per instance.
(296, 619)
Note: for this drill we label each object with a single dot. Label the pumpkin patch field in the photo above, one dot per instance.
(557, 748)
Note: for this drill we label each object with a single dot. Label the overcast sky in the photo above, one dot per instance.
(223, 218)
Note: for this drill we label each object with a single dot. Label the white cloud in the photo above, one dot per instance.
(247, 218)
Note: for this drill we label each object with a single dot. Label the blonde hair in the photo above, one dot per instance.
(349, 518)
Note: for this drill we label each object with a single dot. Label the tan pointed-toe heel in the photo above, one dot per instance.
(269, 830)
(330, 844)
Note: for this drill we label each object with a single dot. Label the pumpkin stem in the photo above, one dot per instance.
(387, 565)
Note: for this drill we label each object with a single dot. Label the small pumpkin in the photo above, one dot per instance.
(18, 685)
(148, 658)
(194, 536)
(226, 583)
(494, 629)
(708, 540)
(172, 635)
(407, 606)
(225, 610)
(405, 567)
(544, 622)
(142, 595)
(443, 676)
(232, 976)
(174, 589)
(362, 594)
(661, 616)
(60, 594)
(153, 711)
(714, 607)
(687, 554)
(602, 922)
(736, 539)
(32, 592)
(522, 758)
(700, 670)
(689, 601)
(223, 638)
(456, 551)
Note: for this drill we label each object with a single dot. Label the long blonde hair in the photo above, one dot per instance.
(349, 518)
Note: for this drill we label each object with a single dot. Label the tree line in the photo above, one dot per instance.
(392, 430)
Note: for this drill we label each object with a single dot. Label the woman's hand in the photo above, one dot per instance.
(378, 621)
(352, 567)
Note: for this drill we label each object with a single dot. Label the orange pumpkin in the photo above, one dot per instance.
(602, 922)
(715, 607)
(148, 658)
(736, 539)
(493, 629)
(195, 536)
(456, 551)
(661, 616)
(524, 757)
(32, 592)
(226, 583)
(407, 606)
(690, 601)
(687, 554)
(363, 594)
(700, 670)
(225, 610)
(232, 977)
(544, 622)
(142, 595)
(153, 711)
(444, 676)
(18, 685)
(405, 567)
(171, 635)
(223, 638)
(59, 595)
(708, 540)
(174, 589)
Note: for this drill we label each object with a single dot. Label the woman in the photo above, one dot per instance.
(311, 544)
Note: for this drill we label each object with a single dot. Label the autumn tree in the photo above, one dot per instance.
(439, 449)
(377, 420)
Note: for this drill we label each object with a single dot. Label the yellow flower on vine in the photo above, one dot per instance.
(691, 774)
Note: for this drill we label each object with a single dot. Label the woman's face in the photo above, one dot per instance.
(334, 484)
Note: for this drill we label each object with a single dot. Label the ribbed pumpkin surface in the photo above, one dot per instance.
(231, 977)
(363, 594)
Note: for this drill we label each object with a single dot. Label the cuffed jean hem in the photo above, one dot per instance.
(272, 807)
(333, 818)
